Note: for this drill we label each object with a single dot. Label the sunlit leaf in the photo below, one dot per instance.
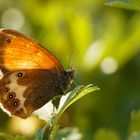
(41, 133)
(127, 4)
(76, 94)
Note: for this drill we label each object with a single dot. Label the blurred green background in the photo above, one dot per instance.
(106, 45)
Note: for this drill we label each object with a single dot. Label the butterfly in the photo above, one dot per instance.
(30, 76)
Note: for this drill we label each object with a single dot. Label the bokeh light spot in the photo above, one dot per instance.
(26, 127)
(12, 18)
(93, 55)
(109, 65)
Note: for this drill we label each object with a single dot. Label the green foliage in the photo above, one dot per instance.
(128, 4)
(135, 136)
(102, 37)
(41, 133)
(10, 137)
(75, 95)
(103, 134)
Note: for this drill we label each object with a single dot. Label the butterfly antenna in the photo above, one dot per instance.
(69, 67)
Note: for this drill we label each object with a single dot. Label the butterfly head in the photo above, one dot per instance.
(67, 78)
(70, 74)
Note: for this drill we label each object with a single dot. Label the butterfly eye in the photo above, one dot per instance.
(20, 74)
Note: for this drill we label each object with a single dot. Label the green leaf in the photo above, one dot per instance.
(20, 138)
(6, 136)
(76, 94)
(41, 133)
(135, 136)
(136, 4)
(127, 4)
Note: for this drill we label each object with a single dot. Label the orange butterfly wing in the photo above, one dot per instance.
(19, 52)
